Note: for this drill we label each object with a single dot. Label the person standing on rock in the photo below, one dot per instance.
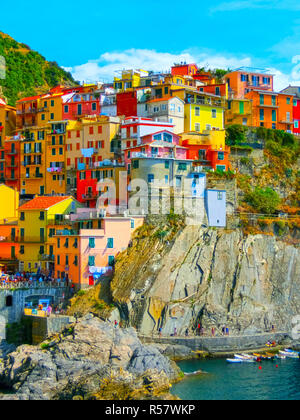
(160, 331)
(175, 332)
(187, 332)
(213, 331)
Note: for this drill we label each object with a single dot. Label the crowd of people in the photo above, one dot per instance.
(30, 279)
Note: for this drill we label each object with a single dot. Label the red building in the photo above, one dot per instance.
(80, 104)
(296, 113)
(126, 104)
(184, 69)
(207, 155)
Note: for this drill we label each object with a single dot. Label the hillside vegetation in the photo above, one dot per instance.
(27, 72)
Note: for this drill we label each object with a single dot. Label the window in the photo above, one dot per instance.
(178, 181)
(261, 115)
(214, 113)
(51, 116)
(273, 115)
(110, 242)
(245, 121)
(182, 166)
(288, 101)
(111, 260)
(99, 129)
(273, 126)
(167, 164)
(94, 106)
(274, 100)
(288, 117)
(242, 108)
(22, 216)
(135, 164)
(91, 261)
(197, 127)
(217, 91)
(58, 260)
(42, 250)
(197, 111)
(42, 215)
(166, 179)
(92, 243)
(52, 103)
(22, 249)
(220, 195)
(9, 301)
(150, 178)
(220, 155)
(296, 124)
(43, 117)
(91, 130)
(261, 99)
(168, 137)
(132, 223)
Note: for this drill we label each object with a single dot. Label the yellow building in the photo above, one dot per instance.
(49, 108)
(203, 111)
(33, 160)
(215, 139)
(36, 217)
(239, 111)
(129, 79)
(55, 174)
(9, 203)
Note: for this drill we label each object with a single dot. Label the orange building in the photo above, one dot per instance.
(271, 110)
(244, 80)
(12, 155)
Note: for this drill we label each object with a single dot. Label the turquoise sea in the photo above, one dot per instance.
(222, 381)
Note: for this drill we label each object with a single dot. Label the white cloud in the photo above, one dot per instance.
(105, 68)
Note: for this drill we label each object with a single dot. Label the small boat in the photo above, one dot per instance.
(243, 357)
(234, 360)
(280, 356)
(290, 355)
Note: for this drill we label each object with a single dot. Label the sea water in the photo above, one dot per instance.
(276, 380)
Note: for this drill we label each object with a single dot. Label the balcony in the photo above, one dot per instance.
(12, 153)
(44, 257)
(89, 196)
(9, 238)
(34, 176)
(31, 240)
(65, 232)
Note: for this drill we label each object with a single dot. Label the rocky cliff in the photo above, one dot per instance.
(215, 277)
(90, 360)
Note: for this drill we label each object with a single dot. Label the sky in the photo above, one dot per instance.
(96, 41)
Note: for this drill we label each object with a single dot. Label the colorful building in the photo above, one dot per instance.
(12, 174)
(295, 91)
(207, 150)
(203, 112)
(239, 111)
(167, 109)
(271, 110)
(244, 80)
(36, 217)
(87, 250)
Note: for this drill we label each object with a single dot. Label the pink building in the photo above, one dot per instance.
(162, 145)
(87, 250)
(134, 128)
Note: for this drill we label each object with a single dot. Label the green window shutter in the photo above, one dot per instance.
(242, 108)
(92, 242)
(110, 242)
(91, 261)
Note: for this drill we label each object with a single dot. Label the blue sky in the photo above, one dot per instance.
(94, 41)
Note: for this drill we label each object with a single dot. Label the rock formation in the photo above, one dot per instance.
(93, 359)
(212, 277)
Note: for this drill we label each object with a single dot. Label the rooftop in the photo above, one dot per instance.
(43, 203)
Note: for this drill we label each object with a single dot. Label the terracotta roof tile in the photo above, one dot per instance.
(42, 203)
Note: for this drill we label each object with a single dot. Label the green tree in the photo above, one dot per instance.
(264, 200)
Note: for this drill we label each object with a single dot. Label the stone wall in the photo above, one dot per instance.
(14, 313)
(44, 327)
(221, 344)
